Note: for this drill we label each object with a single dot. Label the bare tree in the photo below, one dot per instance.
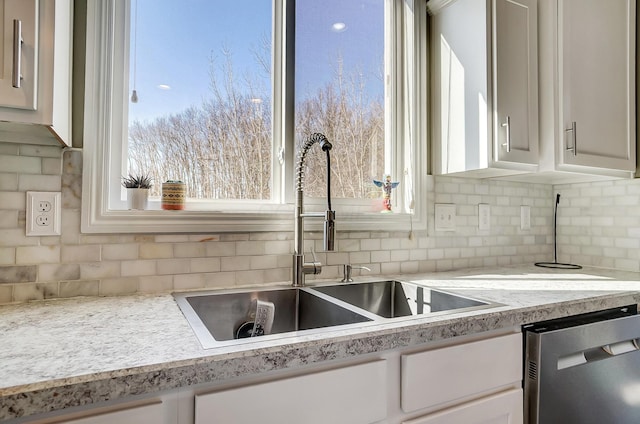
(222, 148)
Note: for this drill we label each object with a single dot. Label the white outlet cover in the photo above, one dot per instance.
(53, 216)
(525, 217)
(484, 217)
(445, 217)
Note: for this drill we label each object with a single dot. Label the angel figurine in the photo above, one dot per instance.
(387, 186)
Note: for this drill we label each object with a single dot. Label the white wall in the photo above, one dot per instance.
(76, 264)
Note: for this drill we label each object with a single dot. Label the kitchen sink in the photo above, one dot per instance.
(391, 299)
(222, 318)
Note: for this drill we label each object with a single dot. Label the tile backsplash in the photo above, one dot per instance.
(599, 224)
(76, 264)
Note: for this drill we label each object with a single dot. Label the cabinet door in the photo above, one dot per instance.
(153, 413)
(436, 378)
(596, 42)
(515, 80)
(503, 408)
(18, 64)
(351, 395)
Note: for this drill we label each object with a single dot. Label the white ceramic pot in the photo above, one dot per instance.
(137, 198)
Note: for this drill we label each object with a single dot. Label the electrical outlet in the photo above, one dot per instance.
(484, 217)
(525, 217)
(445, 217)
(43, 213)
(43, 206)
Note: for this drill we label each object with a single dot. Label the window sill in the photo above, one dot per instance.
(188, 221)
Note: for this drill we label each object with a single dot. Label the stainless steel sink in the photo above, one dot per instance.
(217, 317)
(221, 318)
(391, 299)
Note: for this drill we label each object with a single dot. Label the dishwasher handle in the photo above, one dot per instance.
(597, 353)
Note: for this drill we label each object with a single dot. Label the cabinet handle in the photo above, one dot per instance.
(16, 79)
(572, 130)
(507, 125)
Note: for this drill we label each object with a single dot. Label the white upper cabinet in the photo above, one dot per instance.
(588, 119)
(485, 87)
(19, 45)
(515, 80)
(35, 71)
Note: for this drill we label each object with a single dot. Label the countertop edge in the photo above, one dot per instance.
(211, 367)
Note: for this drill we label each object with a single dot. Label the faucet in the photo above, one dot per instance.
(300, 267)
(346, 269)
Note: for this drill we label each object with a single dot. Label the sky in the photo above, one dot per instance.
(173, 42)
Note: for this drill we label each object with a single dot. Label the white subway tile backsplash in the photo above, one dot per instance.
(250, 248)
(219, 280)
(155, 251)
(360, 258)
(234, 263)
(189, 250)
(189, 281)
(138, 268)
(120, 251)
(98, 270)
(221, 248)
(173, 266)
(250, 278)
(8, 182)
(79, 254)
(21, 164)
(6, 294)
(155, 284)
(10, 200)
(26, 255)
(39, 182)
(8, 218)
(118, 286)
(263, 262)
(51, 166)
(200, 265)
(79, 288)
(381, 256)
(7, 255)
(58, 272)
(76, 264)
(278, 247)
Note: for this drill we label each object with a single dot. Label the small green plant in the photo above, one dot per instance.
(137, 181)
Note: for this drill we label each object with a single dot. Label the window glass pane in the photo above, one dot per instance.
(340, 68)
(200, 96)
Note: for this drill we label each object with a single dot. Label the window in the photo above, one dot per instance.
(219, 96)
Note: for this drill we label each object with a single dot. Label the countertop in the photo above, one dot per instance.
(61, 353)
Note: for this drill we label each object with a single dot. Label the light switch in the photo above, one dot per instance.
(445, 217)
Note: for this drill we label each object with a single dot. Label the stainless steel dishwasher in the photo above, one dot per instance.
(584, 369)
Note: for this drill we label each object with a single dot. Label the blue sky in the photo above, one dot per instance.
(175, 41)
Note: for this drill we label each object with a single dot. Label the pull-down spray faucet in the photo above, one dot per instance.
(300, 267)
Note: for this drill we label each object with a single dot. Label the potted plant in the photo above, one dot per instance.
(137, 191)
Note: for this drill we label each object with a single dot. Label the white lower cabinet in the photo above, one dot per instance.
(503, 408)
(350, 395)
(439, 377)
(148, 413)
(463, 380)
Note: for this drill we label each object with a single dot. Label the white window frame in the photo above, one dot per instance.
(104, 124)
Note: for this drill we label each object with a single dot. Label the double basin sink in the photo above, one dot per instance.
(220, 318)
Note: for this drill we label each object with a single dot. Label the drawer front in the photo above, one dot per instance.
(146, 414)
(445, 375)
(348, 395)
(503, 408)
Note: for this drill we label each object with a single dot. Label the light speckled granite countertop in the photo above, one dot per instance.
(62, 353)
